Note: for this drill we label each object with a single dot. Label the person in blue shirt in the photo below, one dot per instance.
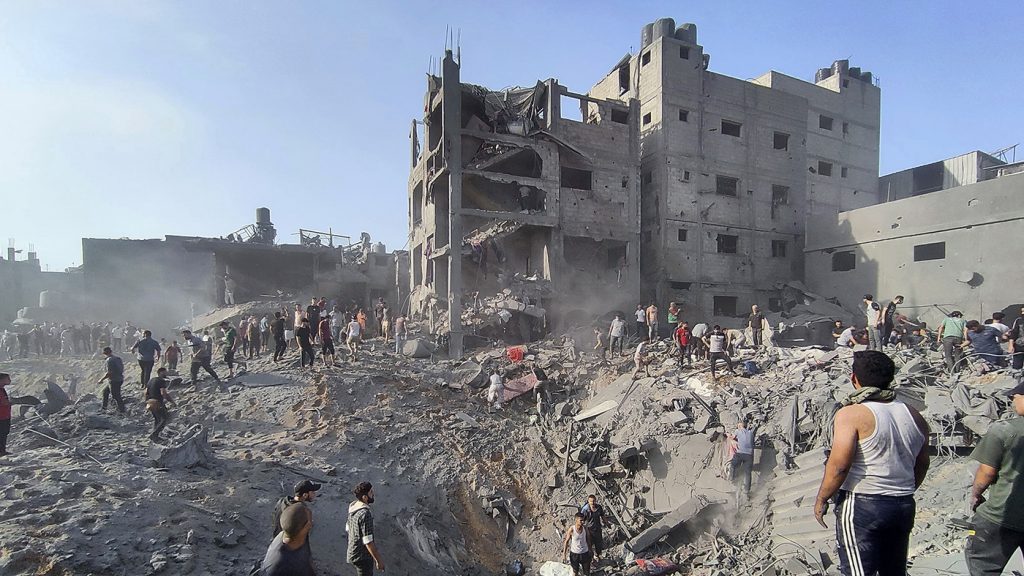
(147, 350)
(984, 340)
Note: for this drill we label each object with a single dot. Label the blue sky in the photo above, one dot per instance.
(138, 118)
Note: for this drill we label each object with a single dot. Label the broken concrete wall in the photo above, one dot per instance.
(959, 230)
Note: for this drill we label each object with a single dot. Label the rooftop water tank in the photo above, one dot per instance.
(379, 248)
(687, 33)
(664, 27)
(50, 299)
(840, 67)
(263, 215)
(646, 35)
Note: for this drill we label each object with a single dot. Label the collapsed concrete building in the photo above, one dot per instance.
(29, 292)
(732, 170)
(941, 243)
(531, 194)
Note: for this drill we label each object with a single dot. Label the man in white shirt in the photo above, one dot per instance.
(616, 333)
(846, 339)
(873, 314)
(718, 350)
(641, 320)
(354, 331)
(997, 323)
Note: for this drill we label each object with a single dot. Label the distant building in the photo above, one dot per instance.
(732, 170)
(962, 170)
(951, 248)
(25, 288)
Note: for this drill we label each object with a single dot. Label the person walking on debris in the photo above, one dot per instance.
(115, 378)
(229, 345)
(652, 322)
(756, 324)
(873, 313)
(304, 337)
(173, 355)
(743, 459)
(1016, 338)
(594, 519)
(147, 350)
(156, 395)
(641, 360)
(254, 338)
(616, 334)
(355, 331)
(305, 492)
(682, 339)
(313, 315)
(984, 340)
(879, 457)
(599, 343)
(641, 321)
(362, 551)
(361, 318)
(289, 553)
(576, 547)
(5, 413)
(264, 334)
(495, 391)
(379, 315)
(337, 323)
(889, 318)
(230, 286)
(998, 526)
(280, 342)
(951, 335)
(201, 356)
(717, 345)
(401, 332)
(326, 341)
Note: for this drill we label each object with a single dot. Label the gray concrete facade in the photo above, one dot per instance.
(960, 170)
(731, 170)
(943, 250)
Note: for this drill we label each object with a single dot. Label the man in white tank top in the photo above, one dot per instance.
(879, 457)
(576, 547)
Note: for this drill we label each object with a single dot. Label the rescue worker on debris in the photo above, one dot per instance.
(576, 547)
(879, 457)
(594, 519)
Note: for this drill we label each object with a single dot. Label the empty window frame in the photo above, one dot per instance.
(842, 172)
(932, 251)
(645, 59)
(724, 305)
(730, 128)
(576, 178)
(647, 119)
(620, 116)
(780, 194)
(684, 52)
(727, 243)
(779, 248)
(680, 285)
(824, 168)
(844, 261)
(681, 234)
(780, 141)
(825, 122)
(646, 178)
(684, 115)
(686, 175)
(726, 185)
(624, 78)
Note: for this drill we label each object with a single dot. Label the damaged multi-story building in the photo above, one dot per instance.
(732, 170)
(530, 195)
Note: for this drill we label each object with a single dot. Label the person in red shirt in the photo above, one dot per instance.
(326, 340)
(682, 337)
(5, 413)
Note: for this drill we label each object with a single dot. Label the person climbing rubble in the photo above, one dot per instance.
(984, 342)
(594, 519)
(495, 391)
(362, 551)
(5, 412)
(230, 288)
(616, 334)
(951, 335)
(743, 459)
(229, 345)
(576, 547)
(289, 553)
(147, 351)
(114, 377)
(600, 347)
(879, 458)
(157, 398)
(201, 355)
(641, 360)
(997, 526)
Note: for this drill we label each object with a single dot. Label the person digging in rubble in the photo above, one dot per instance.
(756, 324)
(879, 458)
(355, 331)
(717, 345)
(201, 356)
(697, 334)
(114, 377)
(326, 341)
(984, 341)
(495, 391)
(599, 343)
(157, 398)
(5, 413)
(998, 526)
(616, 334)
(594, 519)
(362, 551)
(576, 547)
(229, 345)
(735, 339)
(304, 493)
(304, 337)
(289, 553)
(641, 360)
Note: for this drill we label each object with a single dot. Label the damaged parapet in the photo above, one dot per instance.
(508, 185)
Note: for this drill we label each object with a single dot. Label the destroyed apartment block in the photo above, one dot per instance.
(524, 208)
